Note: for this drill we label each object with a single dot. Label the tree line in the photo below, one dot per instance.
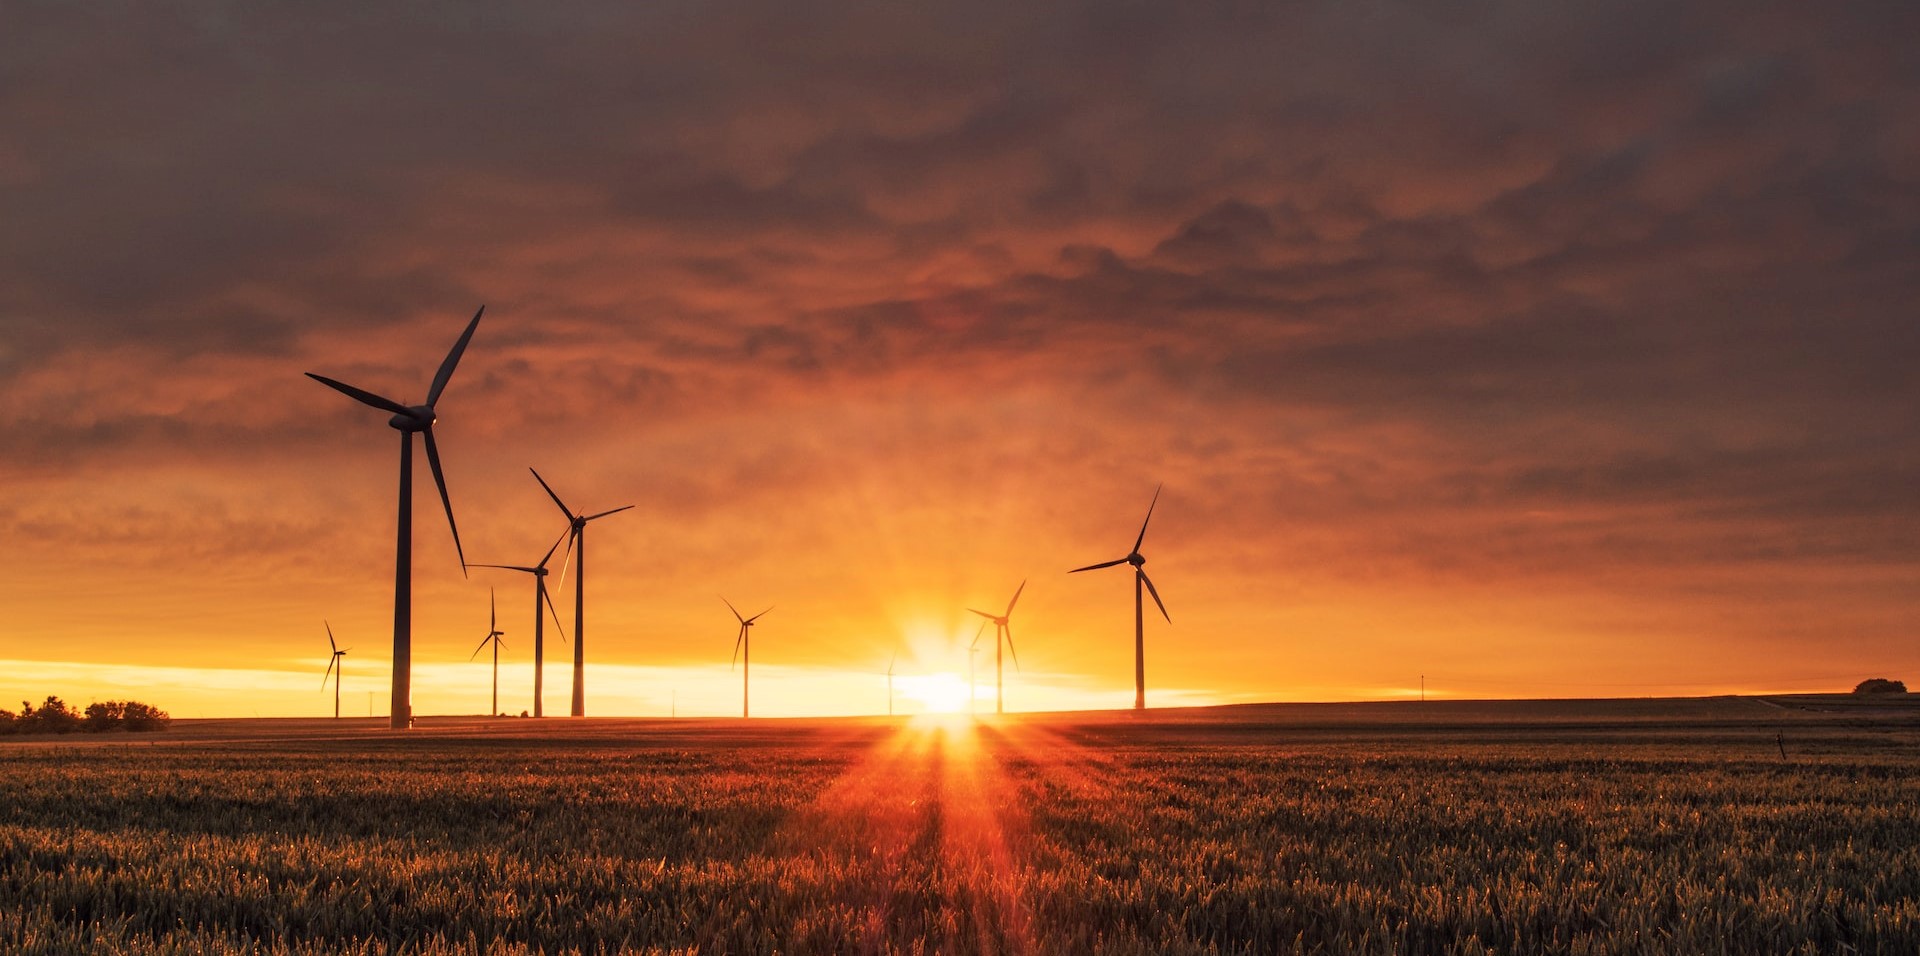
(54, 717)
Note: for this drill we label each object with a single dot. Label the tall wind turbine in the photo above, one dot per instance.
(890, 662)
(577, 550)
(494, 634)
(1139, 619)
(335, 669)
(408, 420)
(1001, 630)
(540, 596)
(743, 650)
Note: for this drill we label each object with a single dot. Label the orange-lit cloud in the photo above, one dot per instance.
(1538, 351)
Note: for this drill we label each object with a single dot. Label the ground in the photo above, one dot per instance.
(1778, 824)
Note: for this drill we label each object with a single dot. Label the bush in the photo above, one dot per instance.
(1880, 685)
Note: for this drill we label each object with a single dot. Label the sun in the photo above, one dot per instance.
(942, 693)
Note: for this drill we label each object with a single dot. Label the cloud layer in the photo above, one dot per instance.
(1532, 342)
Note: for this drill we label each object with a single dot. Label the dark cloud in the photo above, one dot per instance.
(1412, 280)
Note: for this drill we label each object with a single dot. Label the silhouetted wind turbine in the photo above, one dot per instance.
(494, 634)
(1001, 629)
(408, 420)
(1139, 619)
(335, 669)
(743, 650)
(540, 596)
(577, 539)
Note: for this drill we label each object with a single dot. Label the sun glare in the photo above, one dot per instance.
(943, 693)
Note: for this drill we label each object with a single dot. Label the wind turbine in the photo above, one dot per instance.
(577, 544)
(336, 668)
(1001, 629)
(1135, 558)
(494, 634)
(408, 420)
(890, 662)
(743, 650)
(540, 595)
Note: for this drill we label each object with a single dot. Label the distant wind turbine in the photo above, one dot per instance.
(1136, 559)
(494, 634)
(577, 551)
(540, 596)
(336, 668)
(743, 650)
(408, 420)
(890, 662)
(1001, 629)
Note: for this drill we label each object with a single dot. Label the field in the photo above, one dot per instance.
(1670, 826)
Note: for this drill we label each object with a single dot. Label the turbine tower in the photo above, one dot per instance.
(577, 544)
(540, 596)
(408, 420)
(890, 662)
(1136, 559)
(743, 650)
(494, 634)
(1001, 630)
(335, 669)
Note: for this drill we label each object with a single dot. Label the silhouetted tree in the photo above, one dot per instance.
(51, 717)
(139, 717)
(55, 717)
(1880, 685)
(105, 715)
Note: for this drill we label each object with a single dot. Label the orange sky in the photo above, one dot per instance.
(1540, 352)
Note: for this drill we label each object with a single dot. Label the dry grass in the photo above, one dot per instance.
(1577, 828)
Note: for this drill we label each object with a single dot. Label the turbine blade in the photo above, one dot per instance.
(736, 647)
(335, 659)
(1016, 598)
(548, 596)
(330, 644)
(606, 513)
(981, 613)
(976, 635)
(1143, 524)
(556, 498)
(482, 647)
(895, 659)
(493, 612)
(556, 547)
(453, 358)
(440, 480)
(730, 607)
(566, 561)
(1156, 596)
(1010, 648)
(363, 396)
(1096, 567)
(506, 567)
(758, 616)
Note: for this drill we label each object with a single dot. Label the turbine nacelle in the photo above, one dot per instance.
(416, 418)
(1136, 559)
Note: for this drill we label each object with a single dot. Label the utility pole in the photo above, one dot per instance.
(1423, 688)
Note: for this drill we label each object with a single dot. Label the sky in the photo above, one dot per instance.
(1524, 349)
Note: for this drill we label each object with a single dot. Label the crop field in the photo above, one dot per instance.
(1524, 827)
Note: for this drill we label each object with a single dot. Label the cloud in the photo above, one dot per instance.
(1394, 298)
